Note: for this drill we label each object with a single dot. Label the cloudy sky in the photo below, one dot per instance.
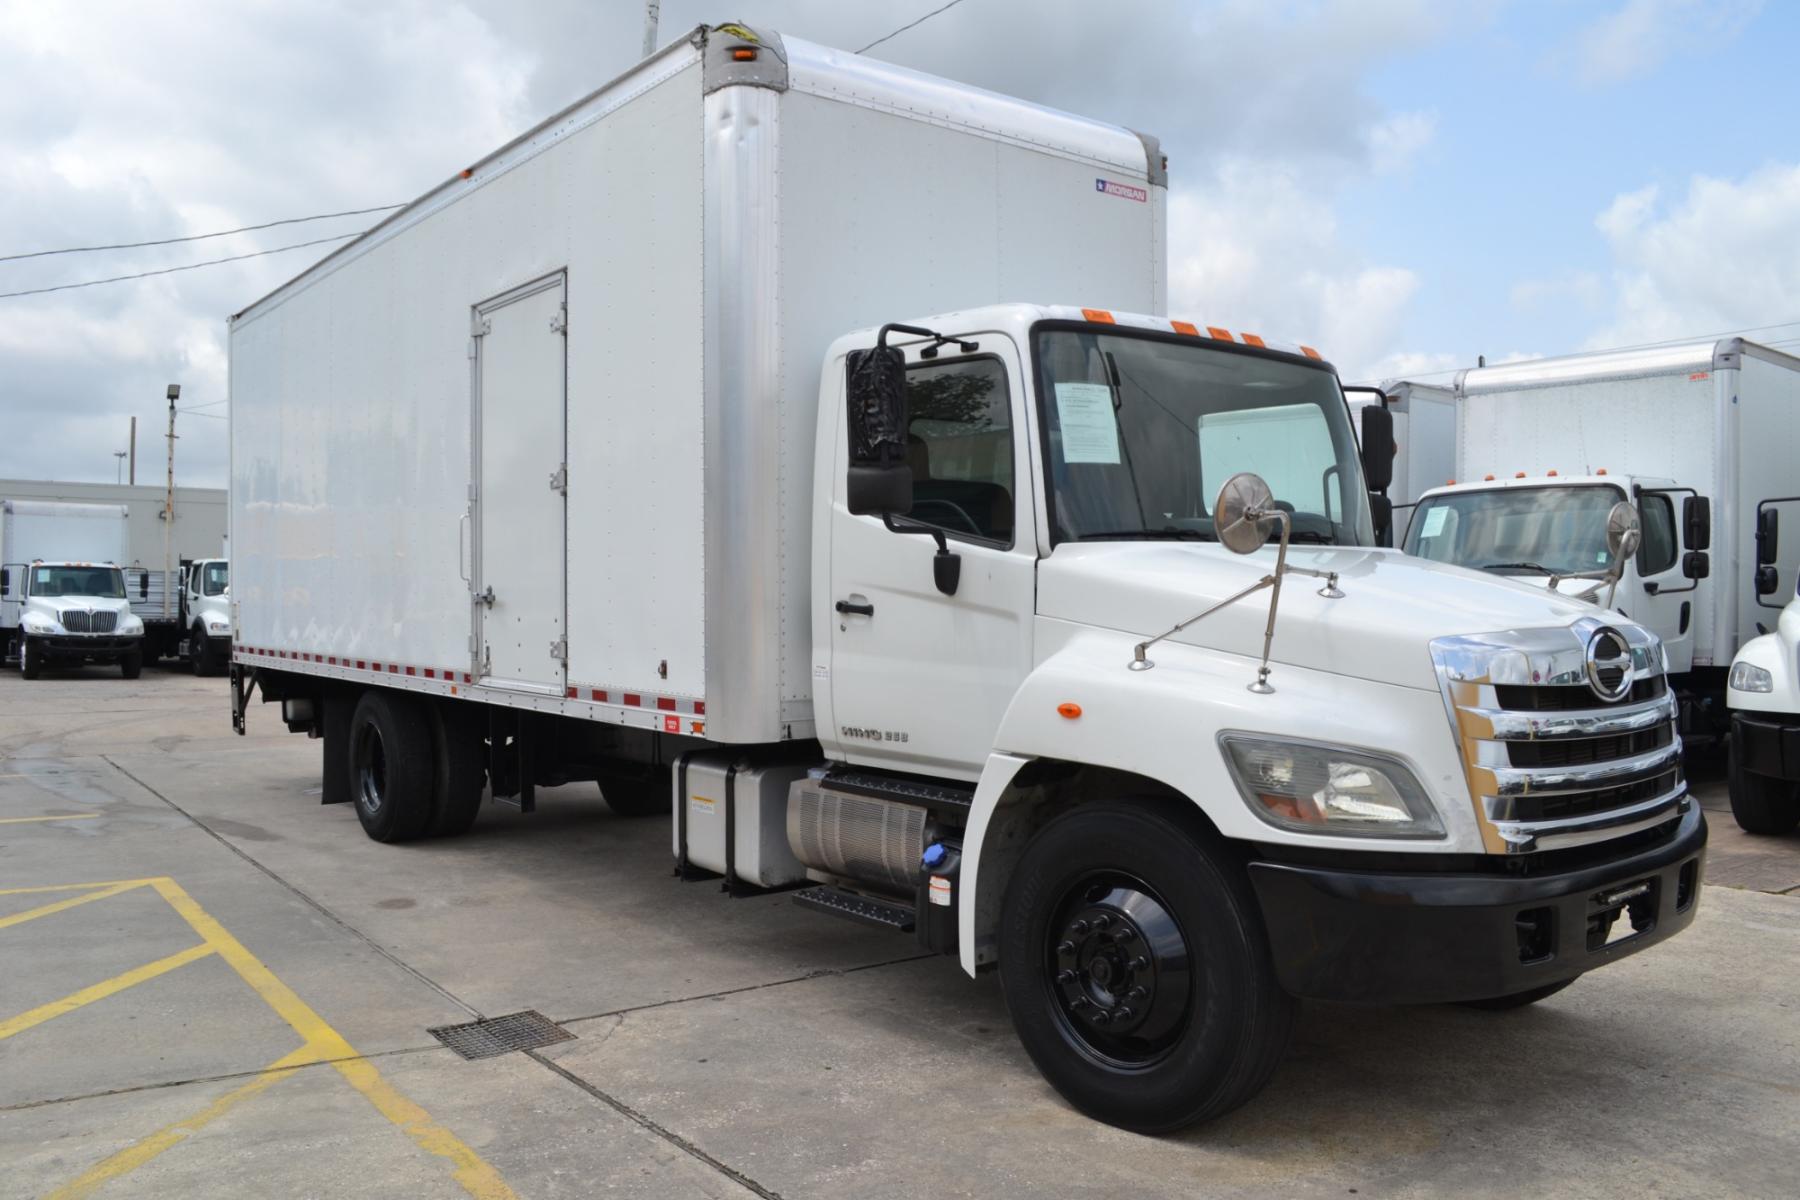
(1405, 184)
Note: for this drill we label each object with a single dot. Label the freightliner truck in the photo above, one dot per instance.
(796, 446)
(1763, 691)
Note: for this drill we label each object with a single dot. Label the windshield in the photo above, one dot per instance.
(1141, 431)
(107, 583)
(213, 577)
(1516, 531)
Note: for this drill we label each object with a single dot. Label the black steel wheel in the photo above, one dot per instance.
(1136, 968)
(392, 773)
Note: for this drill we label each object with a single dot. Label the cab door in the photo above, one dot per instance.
(1663, 600)
(920, 678)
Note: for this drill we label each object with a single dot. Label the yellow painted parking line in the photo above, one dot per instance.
(142, 1151)
(74, 887)
(29, 820)
(44, 910)
(102, 990)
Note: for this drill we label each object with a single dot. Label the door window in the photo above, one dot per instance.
(959, 445)
(1656, 513)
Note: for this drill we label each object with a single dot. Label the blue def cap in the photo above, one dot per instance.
(934, 854)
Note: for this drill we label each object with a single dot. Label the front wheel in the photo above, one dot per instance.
(1136, 970)
(1761, 804)
(31, 658)
(131, 663)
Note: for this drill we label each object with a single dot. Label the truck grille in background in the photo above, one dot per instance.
(86, 622)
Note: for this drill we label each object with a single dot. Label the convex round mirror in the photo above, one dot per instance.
(1622, 532)
(1243, 494)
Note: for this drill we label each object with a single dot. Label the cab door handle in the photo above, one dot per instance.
(861, 610)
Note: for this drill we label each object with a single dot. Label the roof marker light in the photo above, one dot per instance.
(1601, 471)
(1309, 352)
(1551, 472)
(1250, 339)
(1487, 478)
(1184, 327)
(1518, 474)
(1224, 335)
(1098, 316)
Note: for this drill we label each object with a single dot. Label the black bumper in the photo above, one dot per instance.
(1767, 745)
(72, 646)
(1377, 938)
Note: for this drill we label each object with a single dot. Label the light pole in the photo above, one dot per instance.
(169, 508)
(119, 475)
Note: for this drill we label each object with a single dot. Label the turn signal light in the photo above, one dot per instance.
(1068, 709)
(743, 53)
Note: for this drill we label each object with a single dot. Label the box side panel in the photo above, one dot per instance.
(1767, 404)
(885, 217)
(1660, 426)
(351, 438)
(636, 350)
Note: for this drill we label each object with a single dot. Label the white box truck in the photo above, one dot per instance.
(1424, 419)
(63, 595)
(1701, 438)
(732, 439)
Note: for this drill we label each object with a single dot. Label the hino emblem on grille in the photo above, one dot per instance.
(1610, 672)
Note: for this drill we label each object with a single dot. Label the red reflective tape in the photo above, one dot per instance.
(598, 695)
(699, 708)
(572, 694)
(666, 703)
(410, 671)
(392, 669)
(629, 698)
(466, 678)
(430, 673)
(333, 661)
(361, 665)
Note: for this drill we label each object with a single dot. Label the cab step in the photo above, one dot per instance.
(840, 903)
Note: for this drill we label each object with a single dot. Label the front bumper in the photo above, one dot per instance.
(1767, 744)
(1380, 938)
(74, 645)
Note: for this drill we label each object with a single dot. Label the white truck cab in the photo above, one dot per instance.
(206, 614)
(77, 612)
(1763, 693)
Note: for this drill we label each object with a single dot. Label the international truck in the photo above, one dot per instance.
(797, 446)
(1763, 759)
(1700, 438)
(63, 595)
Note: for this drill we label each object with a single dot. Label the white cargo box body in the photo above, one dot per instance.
(642, 288)
(55, 531)
(1720, 417)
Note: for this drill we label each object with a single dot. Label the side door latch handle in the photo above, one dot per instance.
(486, 597)
(861, 610)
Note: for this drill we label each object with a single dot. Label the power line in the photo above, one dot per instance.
(200, 237)
(934, 12)
(211, 262)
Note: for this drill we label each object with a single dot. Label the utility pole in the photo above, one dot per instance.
(168, 593)
(119, 467)
(132, 477)
(652, 11)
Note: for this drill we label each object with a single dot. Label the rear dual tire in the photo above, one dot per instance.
(416, 767)
(1136, 970)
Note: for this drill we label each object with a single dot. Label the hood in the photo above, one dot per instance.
(53, 605)
(1393, 605)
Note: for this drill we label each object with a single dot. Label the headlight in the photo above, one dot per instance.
(131, 625)
(218, 627)
(1312, 787)
(37, 624)
(1747, 677)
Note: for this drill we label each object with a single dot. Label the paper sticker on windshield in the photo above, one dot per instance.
(1434, 521)
(1090, 433)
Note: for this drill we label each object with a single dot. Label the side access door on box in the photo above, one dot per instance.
(518, 501)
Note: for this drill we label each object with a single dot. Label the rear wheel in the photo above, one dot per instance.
(461, 766)
(1519, 999)
(392, 772)
(631, 794)
(131, 663)
(1761, 804)
(1136, 970)
(31, 659)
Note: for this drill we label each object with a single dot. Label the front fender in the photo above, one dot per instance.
(1164, 723)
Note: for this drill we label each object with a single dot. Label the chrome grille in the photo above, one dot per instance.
(1550, 763)
(82, 621)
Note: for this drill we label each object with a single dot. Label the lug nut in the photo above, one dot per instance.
(1121, 935)
(1065, 947)
(1102, 1018)
(1136, 993)
(1140, 963)
(1077, 928)
(1102, 921)
(1080, 1002)
(1123, 1012)
(1065, 976)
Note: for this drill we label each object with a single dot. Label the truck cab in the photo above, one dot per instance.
(1763, 692)
(77, 612)
(1550, 530)
(206, 614)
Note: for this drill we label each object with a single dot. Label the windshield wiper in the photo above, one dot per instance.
(1171, 534)
(1518, 566)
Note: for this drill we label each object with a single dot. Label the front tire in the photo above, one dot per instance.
(392, 773)
(1761, 804)
(31, 659)
(1136, 970)
(131, 663)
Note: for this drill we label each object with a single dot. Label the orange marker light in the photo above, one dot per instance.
(1224, 335)
(1309, 352)
(1250, 339)
(1184, 327)
(1068, 709)
(1518, 474)
(1487, 478)
(1551, 472)
(743, 53)
(466, 172)
(1098, 316)
(1601, 471)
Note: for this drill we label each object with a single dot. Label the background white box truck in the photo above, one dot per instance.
(633, 455)
(63, 595)
(1424, 420)
(1702, 437)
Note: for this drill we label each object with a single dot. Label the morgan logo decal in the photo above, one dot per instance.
(1123, 190)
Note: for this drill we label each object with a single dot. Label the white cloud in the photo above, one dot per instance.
(1396, 141)
(1721, 257)
(1638, 36)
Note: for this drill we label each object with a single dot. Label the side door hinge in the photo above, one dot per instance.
(481, 326)
(559, 323)
(559, 650)
(559, 479)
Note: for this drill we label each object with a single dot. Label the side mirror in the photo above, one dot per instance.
(1377, 447)
(1768, 536)
(5, 581)
(1696, 524)
(880, 482)
(1767, 580)
(144, 585)
(1696, 564)
(1381, 514)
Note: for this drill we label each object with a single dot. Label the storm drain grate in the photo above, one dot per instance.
(501, 1035)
